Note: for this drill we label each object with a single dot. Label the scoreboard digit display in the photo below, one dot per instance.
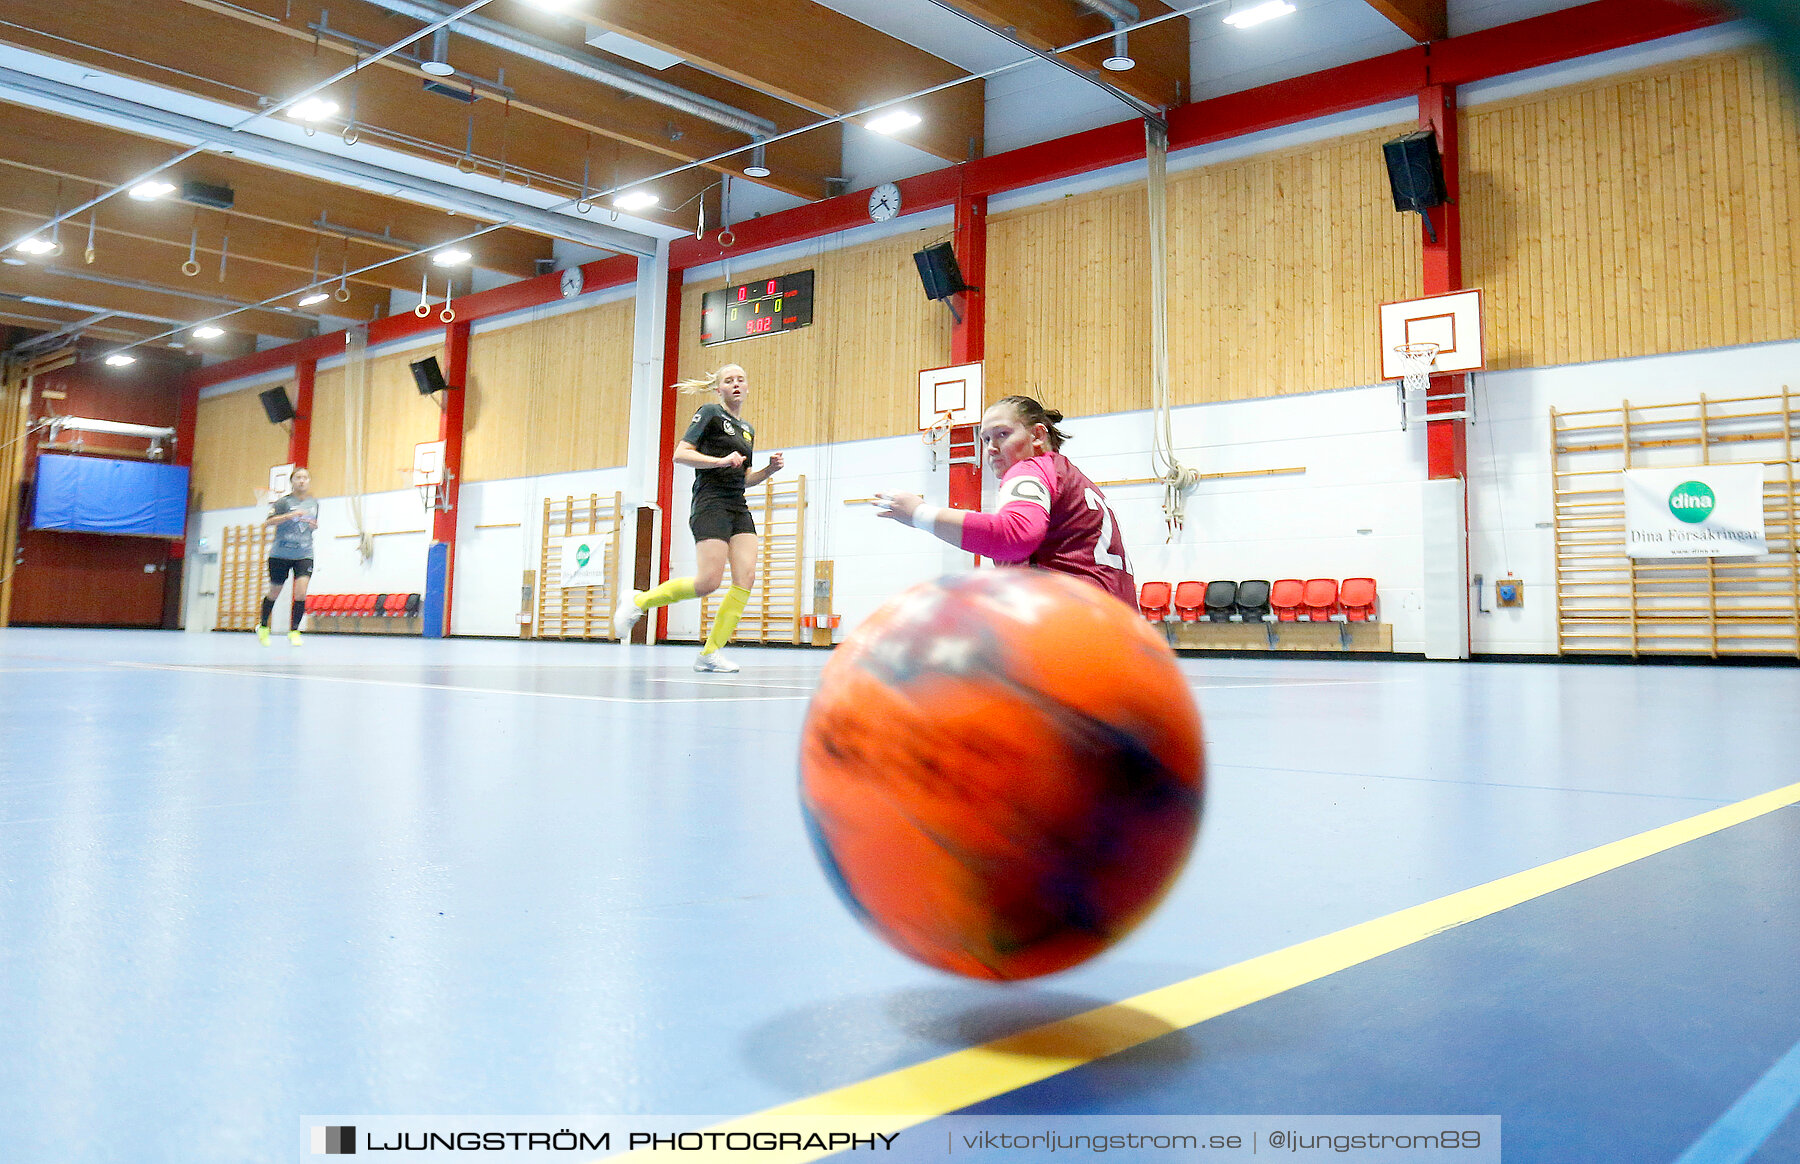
(765, 307)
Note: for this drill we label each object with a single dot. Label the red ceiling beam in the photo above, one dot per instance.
(1566, 35)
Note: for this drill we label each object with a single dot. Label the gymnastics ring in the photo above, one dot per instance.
(447, 315)
(190, 268)
(342, 294)
(727, 238)
(467, 169)
(423, 310)
(583, 205)
(351, 137)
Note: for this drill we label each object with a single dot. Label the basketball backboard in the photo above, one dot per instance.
(1452, 322)
(428, 463)
(955, 391)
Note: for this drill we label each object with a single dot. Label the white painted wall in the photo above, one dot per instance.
(397, 519)
(499, 535)
(1509, 462)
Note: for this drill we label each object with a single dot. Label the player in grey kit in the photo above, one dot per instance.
(295, 516)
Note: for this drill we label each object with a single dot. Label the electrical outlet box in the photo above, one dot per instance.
(1509, 591)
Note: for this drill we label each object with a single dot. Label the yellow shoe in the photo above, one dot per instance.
(294, 637)
(262, 635)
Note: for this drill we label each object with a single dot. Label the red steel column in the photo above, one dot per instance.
(300, 438)
(968, 342)
(450, 431)
(665, 468)
(1446, 442)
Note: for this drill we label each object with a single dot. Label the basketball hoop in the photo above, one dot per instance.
(1417, 359)
(940, 428)
(428, 474)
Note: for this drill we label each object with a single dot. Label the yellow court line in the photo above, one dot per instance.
(912, 1095)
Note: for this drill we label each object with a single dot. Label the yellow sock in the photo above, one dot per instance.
(727, 620)
(674, 590)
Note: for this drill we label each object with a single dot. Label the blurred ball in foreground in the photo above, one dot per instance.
(1002, 772)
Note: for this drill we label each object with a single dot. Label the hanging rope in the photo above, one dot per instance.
(356, 427)
(1177, 480)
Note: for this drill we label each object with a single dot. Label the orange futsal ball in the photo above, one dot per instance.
(1002, 772)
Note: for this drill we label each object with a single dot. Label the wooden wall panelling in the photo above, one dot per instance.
(234, 448)
(1630, 216)
(397, 418)
(853, 374)
(326, 458)
(1277, 267)
(550, 395)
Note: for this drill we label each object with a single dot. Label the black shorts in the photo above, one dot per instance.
(712, 520)
(279, 567)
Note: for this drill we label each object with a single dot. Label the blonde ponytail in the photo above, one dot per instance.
(706, 383)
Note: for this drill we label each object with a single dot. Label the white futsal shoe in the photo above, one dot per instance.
(626, 614)
(715, 662)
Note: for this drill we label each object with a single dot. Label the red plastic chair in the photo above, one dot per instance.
(1357, 597)
(1153, 601)
(1286, 598)
(1320, 598)
(1190, 600)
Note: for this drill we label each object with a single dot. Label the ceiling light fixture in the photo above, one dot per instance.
(13, 261)
(208, 331)
(438, 65)
(315, 297)
(635, 200)
(759, 164)
(892, 123)
(312, 109)
(120, 360)
(1251, 17)
(450, 258)
(152, 190)
(37, 246)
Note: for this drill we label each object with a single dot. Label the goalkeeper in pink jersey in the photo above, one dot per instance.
(1050, 514)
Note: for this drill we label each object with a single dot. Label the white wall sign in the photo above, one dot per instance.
(583, 560)
(1699, 512)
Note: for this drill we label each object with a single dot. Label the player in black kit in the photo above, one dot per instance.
(717, 446)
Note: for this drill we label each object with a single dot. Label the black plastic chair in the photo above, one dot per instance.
(1253, 600)
(1221, 601)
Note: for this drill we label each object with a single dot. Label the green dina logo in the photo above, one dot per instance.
(1692, 502)
(582, 553)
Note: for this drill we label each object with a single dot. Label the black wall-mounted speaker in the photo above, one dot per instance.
(1416, 171)
(939, 272)
(276, 405)
(428, 376)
